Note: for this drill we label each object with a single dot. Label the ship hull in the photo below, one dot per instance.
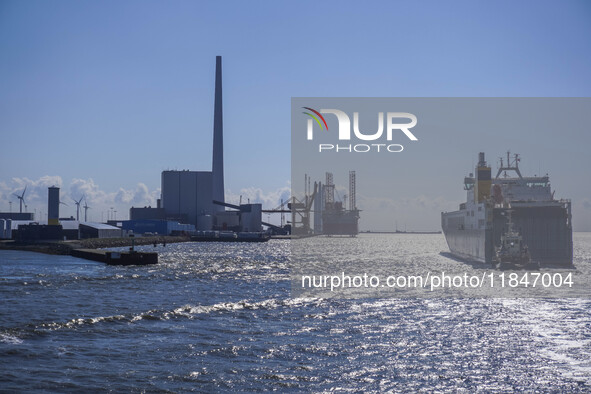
(340, 223)
(546, 230)
(469, 244)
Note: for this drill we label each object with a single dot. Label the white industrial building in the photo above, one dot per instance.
(99, 230)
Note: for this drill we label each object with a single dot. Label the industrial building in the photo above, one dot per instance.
(197, 197)
(244, 218)
(30, 231)
(187, 196)
(6, 228)
(33, 232)
(147, 213)
(99, 230)
(55, 228)
(38, 232)
(17, 215)
(156, 227)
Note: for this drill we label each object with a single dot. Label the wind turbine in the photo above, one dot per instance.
(78, 207)
(21, 198)
(86, 208)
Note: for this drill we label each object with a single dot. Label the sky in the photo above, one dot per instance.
(100, 97)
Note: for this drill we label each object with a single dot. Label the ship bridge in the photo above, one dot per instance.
(519, 188)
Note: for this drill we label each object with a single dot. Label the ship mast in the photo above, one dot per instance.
(512, 165)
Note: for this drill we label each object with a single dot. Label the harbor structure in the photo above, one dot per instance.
(336, 218)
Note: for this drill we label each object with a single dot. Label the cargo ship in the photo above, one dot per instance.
(526, 204)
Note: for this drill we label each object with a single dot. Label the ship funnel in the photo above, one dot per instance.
(483, 180)
(481, 161)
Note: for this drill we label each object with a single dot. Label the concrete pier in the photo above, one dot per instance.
(117, 258)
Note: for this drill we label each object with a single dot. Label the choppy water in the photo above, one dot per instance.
(219, 317)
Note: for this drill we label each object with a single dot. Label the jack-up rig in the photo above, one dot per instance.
(318, 212)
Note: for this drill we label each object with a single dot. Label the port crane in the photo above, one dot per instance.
(300, 212)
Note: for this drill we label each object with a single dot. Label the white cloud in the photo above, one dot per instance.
(103, 204)
(35, 194)
(269, 199)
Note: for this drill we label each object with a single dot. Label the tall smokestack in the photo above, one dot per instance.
(218, 139)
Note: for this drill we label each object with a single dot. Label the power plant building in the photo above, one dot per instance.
(197, 197)
(187, 195)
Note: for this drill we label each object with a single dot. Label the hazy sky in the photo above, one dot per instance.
(100, 97)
